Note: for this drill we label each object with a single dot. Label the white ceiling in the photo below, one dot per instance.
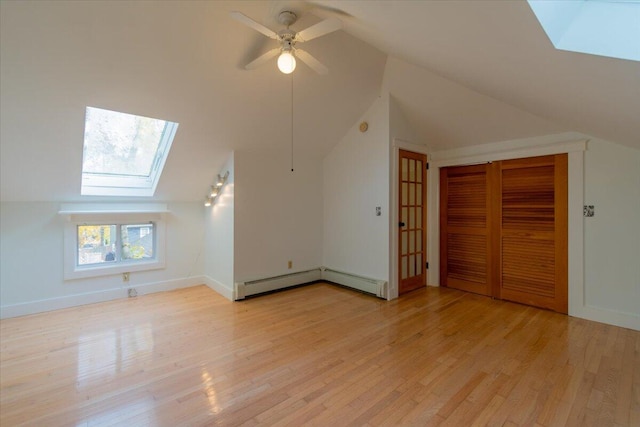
(463, 72)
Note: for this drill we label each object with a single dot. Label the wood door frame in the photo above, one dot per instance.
(394, 185)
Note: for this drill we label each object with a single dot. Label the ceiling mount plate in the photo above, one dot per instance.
(287, 17)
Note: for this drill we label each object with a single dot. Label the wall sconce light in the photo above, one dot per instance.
(216, 189)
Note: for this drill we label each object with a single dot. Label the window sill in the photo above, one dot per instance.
(76, 211)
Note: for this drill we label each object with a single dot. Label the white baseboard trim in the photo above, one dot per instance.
(40, 306)
(220, 288)
(610, 317)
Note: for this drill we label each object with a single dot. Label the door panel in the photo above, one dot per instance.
(533, 231)
(412, 209)
(464, 229)
(503, 230)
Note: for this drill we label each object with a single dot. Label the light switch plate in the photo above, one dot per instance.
(589, 211)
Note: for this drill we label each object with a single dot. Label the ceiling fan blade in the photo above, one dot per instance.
(312, 62)
(255, 25)
(262, 59)
(320, 29)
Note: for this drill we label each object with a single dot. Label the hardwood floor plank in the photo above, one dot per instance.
(316, 355)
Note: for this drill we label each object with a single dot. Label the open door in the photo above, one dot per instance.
(412, 252)
(465, 224)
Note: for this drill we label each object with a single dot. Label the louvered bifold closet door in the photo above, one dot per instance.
(533, 231)
(464, 228)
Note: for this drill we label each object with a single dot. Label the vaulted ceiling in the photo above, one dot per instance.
(463, 73)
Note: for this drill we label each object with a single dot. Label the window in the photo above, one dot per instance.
(598, 27)
(115, 243)
(102, 240)
(123, 154)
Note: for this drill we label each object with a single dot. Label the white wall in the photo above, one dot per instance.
(612, 236)
(356, 181)
(32, 259)
(219, 236)
(399, 126)
(278, 213)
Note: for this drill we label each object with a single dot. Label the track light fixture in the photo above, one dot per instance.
(216, 189)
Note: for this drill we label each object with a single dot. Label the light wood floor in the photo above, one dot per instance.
(318, 355)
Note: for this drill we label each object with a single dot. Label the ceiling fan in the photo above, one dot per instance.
(288, 39)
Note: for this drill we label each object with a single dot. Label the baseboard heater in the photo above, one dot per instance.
(364, 284)
(261, 286)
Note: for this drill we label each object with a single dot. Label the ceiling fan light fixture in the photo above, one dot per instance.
(286, 62)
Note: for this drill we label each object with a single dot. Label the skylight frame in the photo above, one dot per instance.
(117, 184)
(597, 27)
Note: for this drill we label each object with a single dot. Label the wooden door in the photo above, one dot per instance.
(504, 230)
(465, 241)
(533, 231)
(412, 252)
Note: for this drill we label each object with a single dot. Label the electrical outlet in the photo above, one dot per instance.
(132, 292)
(290, 264)
(125, 277)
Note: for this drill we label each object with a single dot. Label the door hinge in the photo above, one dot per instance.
(426, 265)
(426, 165)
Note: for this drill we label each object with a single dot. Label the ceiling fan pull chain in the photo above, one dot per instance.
(291, 115)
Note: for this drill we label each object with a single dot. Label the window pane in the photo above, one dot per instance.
(137, 241)
(412, 241)
(405, 194)
(404, 167)
(412, 265)
(96, 244)
(404, 268)
(404, 242)
(412, 194)
(120, 144)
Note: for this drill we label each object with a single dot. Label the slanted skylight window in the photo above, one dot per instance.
(599, 27)
(123, 154)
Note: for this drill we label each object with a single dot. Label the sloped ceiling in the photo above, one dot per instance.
(463, 72)
(499, 49)
(179, 61)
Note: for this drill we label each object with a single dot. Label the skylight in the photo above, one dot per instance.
(123, 154)
(598, 27)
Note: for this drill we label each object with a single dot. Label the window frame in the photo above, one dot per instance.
(72, 270)
(105, 184)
